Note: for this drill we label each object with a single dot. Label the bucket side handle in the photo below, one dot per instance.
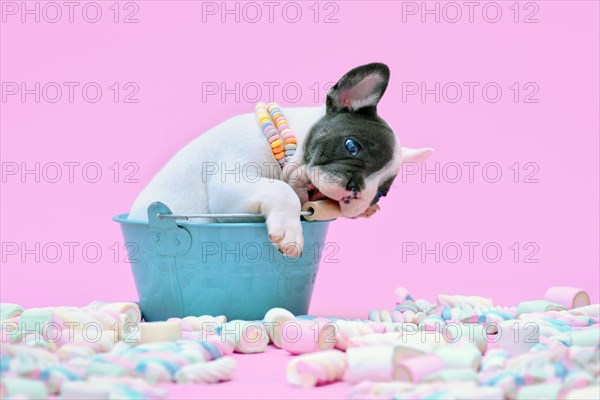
(164, 235)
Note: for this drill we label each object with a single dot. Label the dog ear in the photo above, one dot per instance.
(361, 87)
(416, 155)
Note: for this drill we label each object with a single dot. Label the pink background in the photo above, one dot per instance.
(170, 52)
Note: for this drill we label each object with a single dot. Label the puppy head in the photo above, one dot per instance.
(352, 155)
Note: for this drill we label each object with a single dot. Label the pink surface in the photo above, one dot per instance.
(165, 66)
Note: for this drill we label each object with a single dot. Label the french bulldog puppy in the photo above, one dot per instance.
(345, 152)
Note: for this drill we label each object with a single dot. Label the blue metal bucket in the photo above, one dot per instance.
(232, 269)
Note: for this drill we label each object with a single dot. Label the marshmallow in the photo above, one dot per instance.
(203, 323)
(100, 388)
(9, 310)
(584, 337)
(425, 306)
(507, 381)
(375, 339)
(581, 356)
(131, 311)
(535, 358)
(432, 323)
(414, 369)
(578, 379)
(537, 305)
(33, 389)
(464, 392)
(90, 327)
(373, 363)
(159, 332)
(349, 329)
(461, 301)
(419, 317)
(316, 368)
(402, 295)
(68, 351)
(590, 392)
(82, 317)
(301, 336)
(459, 356)
(156, 370)
(84, 391)
(405, 390)
(567, 296)
(210, 350)
(453, 375)
(32, 320)
(25, 360)
(467, 333)
(249, 336)
(516, 337)
(408, 305)
(380, 316)
(402, 351)
(415, 345)
(397, 316)
(592, 310)
(274, 320)
(549, 391)
(539, 349)
(383, 390)
(211, 372)
(56, 376)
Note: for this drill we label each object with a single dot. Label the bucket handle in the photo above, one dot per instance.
(319, 210)
(238, 215)
(165, 236)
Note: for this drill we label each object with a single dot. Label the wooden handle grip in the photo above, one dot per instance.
(322, 210)
(328, 209)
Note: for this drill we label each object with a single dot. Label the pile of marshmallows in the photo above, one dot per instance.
(462, 347)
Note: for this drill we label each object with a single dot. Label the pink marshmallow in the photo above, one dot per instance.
(300, 336)
(569, 297)
(414, 369)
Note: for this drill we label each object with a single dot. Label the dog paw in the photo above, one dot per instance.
(287, 237)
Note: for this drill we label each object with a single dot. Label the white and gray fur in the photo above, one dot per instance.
(231, 169)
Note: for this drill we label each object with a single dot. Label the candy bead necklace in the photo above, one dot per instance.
(277, 131)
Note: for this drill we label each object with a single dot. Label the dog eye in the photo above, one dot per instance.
(352, 146)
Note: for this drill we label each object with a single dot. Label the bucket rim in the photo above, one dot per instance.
(122, 219)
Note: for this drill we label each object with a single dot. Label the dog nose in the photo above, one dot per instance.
(352, 185)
